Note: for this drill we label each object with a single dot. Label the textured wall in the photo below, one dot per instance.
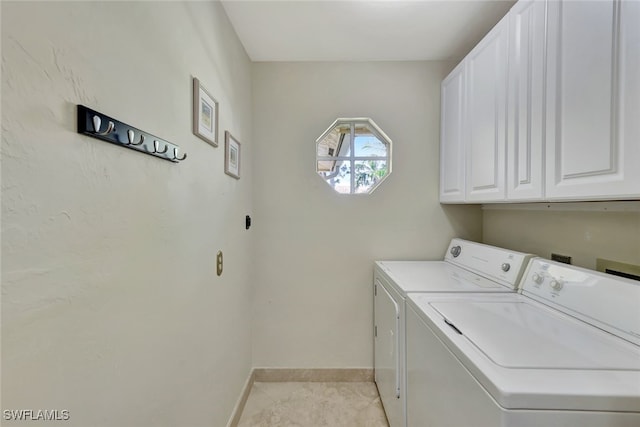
(583, 235)
(111, 307)
(315, 248)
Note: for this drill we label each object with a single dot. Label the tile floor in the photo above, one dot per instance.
(313, 404)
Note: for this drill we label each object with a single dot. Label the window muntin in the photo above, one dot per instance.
(353, 156)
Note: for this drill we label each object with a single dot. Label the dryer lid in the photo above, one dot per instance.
(526, 336)
(437, 276)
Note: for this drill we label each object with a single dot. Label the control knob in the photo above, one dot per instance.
(455, 251)
(506, 267)
(556, 284)
(537, 278)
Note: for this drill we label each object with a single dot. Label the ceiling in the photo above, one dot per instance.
(363, 30)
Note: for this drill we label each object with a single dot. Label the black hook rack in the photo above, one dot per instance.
(101, 126)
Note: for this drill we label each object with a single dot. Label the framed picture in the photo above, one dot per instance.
(231, 155)
(205, 114)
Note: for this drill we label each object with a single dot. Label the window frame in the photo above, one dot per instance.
(352, 158)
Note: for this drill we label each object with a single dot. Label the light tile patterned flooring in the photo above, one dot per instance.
(313, 404)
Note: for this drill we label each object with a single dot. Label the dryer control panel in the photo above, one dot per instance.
(502, 265)
(606, 301)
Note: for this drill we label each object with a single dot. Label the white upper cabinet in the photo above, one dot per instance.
(525, 106)
(593, 100)
(452, 153)
(485, 116)
(546, 107)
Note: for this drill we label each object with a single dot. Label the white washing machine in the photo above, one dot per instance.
(467, 267)
(564, 351)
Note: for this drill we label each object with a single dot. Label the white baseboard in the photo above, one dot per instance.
(296, 375)
(313, 375)
(242, 400)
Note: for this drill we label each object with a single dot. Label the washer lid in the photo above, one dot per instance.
(527, 336)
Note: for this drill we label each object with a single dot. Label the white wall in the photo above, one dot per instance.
(315, 248)
(111, 307)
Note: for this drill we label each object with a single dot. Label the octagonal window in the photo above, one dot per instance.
(353, 156)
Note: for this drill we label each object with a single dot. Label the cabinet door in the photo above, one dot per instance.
(593, 96)
(485, 119)
(451, 137)
(525, 112)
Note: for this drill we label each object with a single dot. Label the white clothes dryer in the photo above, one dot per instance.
(565, 351)
(467, 267)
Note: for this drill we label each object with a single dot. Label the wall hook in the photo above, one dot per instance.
(131, 136)
(139, 142)
(156, 144)
(97, 122)
(175, 155)
(90, 123)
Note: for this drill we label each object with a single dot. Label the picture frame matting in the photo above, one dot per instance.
(205, 114)
(231, 155)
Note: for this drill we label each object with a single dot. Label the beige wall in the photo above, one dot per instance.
(583, 235)
(315, 248)
(111, 307)
(110, 304)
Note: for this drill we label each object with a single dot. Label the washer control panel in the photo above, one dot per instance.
(607, 301)
(546, 282)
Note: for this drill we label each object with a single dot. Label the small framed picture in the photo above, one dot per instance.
(231, 155)
(205, 114)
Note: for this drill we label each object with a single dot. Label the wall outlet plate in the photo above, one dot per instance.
(219, 263)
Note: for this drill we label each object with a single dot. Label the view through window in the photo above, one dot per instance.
(353, 156)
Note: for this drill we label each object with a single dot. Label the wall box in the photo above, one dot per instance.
(205, 114)
(630, 271)
(231, 155)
